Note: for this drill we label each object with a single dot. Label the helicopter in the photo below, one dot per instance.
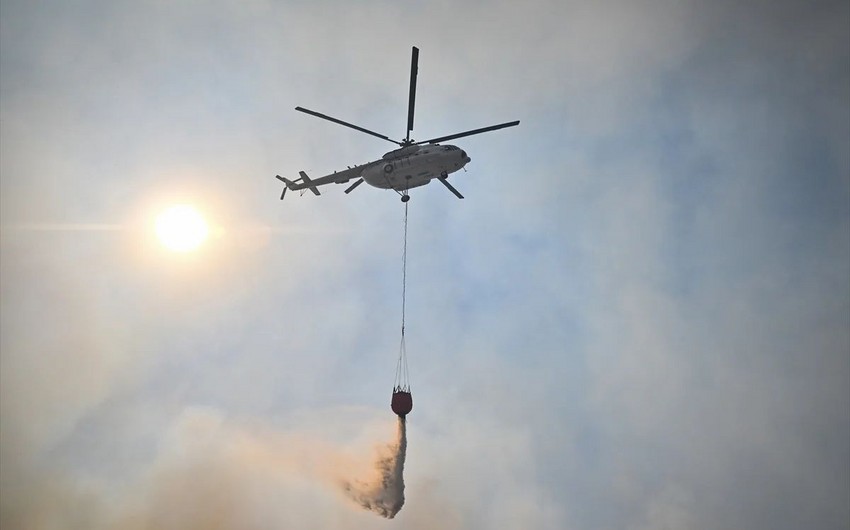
(412, 165)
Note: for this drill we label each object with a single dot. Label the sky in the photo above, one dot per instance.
(638, 318)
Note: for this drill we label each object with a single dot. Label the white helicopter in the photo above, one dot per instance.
(414, 164)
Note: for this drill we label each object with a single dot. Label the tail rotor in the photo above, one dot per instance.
(285, 186)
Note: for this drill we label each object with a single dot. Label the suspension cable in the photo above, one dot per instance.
(401, 372)
(404, 272)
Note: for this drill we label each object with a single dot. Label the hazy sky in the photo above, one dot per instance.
(638, 318)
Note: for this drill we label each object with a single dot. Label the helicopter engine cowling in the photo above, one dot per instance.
(404, 151)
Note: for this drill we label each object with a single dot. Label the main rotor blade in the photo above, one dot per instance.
(450, 187)
(351, 188)
(414, 70)
(468, 133)
(355, 127)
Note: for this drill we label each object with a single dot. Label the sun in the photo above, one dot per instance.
(181, 228)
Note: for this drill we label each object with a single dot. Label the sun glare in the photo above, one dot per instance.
(181, 228)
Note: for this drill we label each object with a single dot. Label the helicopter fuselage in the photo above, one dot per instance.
(414, 165)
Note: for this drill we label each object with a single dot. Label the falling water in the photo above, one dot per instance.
(384, 495)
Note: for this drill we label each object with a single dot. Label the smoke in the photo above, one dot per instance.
(214, 473)
(384, 494)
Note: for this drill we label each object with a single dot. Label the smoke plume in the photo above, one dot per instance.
(384, 494)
